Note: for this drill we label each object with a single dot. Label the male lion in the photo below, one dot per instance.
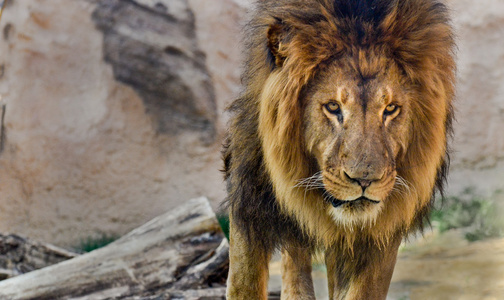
(338, 141)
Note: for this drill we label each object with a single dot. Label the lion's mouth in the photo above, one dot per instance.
(337, 203)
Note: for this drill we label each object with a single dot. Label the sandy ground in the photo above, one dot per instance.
(437, 266)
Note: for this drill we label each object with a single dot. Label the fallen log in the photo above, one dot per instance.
(19, 255)
(179, 255)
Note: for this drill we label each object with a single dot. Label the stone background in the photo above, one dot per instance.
(98, 138)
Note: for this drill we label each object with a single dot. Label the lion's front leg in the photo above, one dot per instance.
(248, 267)
(297, 283)
(364, 275)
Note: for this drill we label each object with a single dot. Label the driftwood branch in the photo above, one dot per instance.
(179, 255)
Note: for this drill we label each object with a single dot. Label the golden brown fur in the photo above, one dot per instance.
(339, 140)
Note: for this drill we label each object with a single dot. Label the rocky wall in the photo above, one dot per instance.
(115, 109)
(97, 140)
(478, 148)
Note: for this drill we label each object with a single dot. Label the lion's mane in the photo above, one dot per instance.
(264, 154)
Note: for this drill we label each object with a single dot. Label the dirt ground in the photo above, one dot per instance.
(436, 266)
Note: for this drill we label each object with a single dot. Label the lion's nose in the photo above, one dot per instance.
(364, 183)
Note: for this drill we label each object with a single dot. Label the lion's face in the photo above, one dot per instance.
(356, 128)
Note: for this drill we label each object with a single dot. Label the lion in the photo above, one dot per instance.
(338, 142)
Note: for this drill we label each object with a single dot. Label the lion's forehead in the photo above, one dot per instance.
(344, 81)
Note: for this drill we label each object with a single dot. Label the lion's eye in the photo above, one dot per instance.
(333, 108)
(390, 109)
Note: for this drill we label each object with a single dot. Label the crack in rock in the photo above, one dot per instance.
(152, 47)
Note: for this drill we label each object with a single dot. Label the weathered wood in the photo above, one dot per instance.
(19, 255)
(179, 255)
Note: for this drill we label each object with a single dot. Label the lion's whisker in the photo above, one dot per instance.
(310, 183)
(403, 186)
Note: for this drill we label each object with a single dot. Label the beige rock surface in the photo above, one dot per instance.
(478, 158)
(218, 28)
(82, 156)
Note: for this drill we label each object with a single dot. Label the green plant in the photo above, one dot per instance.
(223, 219)
(92, 243)
(478, 216)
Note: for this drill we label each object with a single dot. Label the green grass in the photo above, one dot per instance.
(477, 215)
(92, 243)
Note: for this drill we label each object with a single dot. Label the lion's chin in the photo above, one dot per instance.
(359, 212)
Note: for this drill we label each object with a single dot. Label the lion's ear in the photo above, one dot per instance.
(276, 34)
